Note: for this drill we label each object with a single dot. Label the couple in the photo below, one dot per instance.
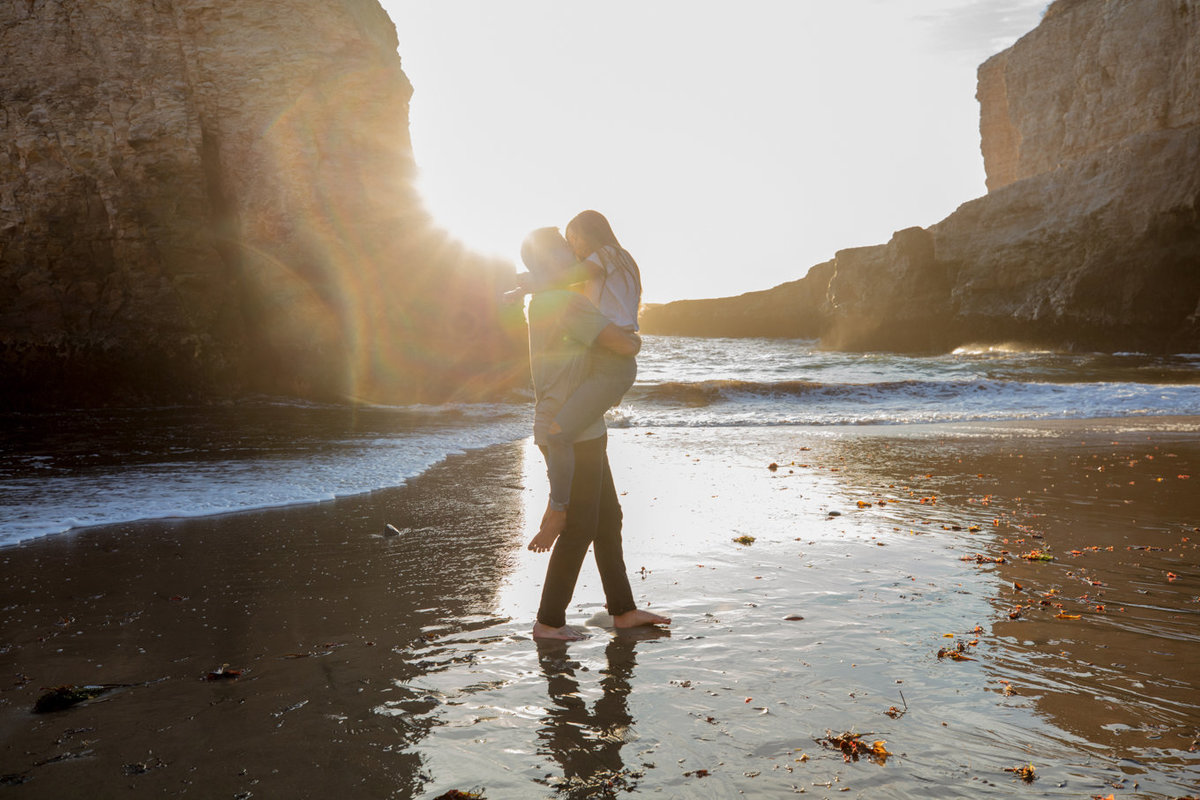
(582, 361)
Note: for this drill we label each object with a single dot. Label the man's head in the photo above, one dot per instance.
(548, 256)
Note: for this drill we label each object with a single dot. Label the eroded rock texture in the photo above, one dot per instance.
(202, 198)
(1089, 236)
(790, 310)
(1094, 74)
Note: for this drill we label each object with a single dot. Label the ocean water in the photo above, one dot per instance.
(736, 382)
(74, 469)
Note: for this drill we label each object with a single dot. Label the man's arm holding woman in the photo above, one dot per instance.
(619, 340)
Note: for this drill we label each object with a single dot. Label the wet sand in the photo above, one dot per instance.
(401, 666)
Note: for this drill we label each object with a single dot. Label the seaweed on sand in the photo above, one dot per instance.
(63, 697)
(853, 748)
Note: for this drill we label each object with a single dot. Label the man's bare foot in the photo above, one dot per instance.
(632, 619)
(553, 523)
(565, 633)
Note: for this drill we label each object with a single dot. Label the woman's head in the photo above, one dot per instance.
(547, 255)
(588, 232)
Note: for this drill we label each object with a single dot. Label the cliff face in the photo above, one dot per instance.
(788, 310)
(1089, 236)
(1094, 74)
(201, 198)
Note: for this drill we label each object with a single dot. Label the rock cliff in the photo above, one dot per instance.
(789, 310)
(203, 198)
(1094, 74)
(1089, 236)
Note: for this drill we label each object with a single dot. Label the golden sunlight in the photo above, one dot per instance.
(453, 199)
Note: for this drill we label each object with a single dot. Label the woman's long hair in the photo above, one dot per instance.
(594, 229)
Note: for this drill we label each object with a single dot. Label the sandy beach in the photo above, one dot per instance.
(1053, 566)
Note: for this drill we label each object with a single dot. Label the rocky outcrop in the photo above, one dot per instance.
(1089, 236)
(202, 198)
(1093, 74)
(1041, 263)
(787, 311)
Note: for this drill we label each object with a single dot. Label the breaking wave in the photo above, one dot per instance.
(721, 402)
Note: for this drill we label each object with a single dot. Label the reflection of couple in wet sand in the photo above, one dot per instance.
(581, 351)
(587, 742)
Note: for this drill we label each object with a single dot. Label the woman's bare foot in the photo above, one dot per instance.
(553, 523)
(565, 633)
(632, 619)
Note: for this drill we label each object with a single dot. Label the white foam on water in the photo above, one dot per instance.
(68, 470)
(39, 504)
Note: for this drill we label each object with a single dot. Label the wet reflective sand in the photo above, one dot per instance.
(402, 666)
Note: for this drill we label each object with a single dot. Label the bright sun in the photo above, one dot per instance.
(461, 205)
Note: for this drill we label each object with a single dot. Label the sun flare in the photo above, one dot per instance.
(459, 206)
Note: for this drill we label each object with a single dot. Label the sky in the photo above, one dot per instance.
(731, 145)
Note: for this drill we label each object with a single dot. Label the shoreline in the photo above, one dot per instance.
(403, 667)
(155, 607)
(1178, 423)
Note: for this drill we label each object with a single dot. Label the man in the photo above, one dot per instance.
(563, 327)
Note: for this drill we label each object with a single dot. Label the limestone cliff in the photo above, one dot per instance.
(201, 198)
(1089, 236)
(1094, 74)
(789, 310)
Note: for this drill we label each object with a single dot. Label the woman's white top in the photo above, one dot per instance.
(618, 291)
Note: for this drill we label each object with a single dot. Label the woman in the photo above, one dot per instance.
(563, 328)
